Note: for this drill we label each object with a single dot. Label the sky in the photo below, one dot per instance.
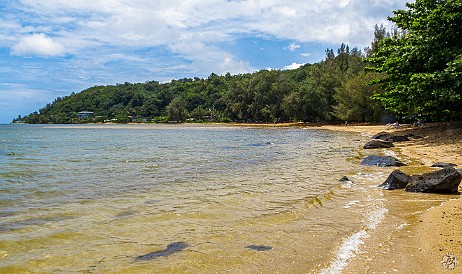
(55, 47)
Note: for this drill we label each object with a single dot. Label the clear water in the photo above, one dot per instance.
(182, 199)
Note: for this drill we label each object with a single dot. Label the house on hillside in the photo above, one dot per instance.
(85, 114)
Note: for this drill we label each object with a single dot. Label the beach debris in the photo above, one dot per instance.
(381, 161)
(344, 179)
(443, 165)
(259, 247)
(446, 180)
(377, 143)
(396, 180)
(385, 136)
(171, 249)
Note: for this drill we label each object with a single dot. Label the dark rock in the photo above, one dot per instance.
(377, 143)
(396, 180)
(259, 247)
(399, 139)
(171, 249)
(446, 180)
(344, 179)
(385, 136)
(381, 161)
(443, 165)
(382, 136)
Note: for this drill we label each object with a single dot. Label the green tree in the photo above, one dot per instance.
(380, 33)
(423, 63)
(354, 101)
(177, 110)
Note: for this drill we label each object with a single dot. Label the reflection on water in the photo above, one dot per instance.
(94, 198)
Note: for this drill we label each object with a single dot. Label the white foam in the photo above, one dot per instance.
(351, 203)
(347, 184)
(350, 246)
(390, 153)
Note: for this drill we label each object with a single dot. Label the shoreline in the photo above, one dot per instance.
(428, 235)
(433, 237)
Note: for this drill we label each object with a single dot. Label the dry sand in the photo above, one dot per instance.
(433, 238)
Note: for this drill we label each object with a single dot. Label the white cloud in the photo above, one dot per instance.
(190, 29)
(292, 66)
(207, 58)
(150, 23)
(38, 45)
(293, 47)
(306, 54)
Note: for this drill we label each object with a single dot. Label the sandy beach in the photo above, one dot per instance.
(432, 240)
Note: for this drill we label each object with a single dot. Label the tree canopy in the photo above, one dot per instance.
(308, 93)
(422, 61)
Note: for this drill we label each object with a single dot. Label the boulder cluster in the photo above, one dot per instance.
(445, 180)
(385, 140)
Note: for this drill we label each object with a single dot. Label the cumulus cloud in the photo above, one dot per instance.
(190, 29)
(37, 45)
(146, 22)
(293, 47)
(292, 66)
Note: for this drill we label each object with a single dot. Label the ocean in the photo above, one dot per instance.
(185, 199)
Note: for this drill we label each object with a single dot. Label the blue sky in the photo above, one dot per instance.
(55, 47)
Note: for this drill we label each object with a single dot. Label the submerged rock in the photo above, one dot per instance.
(381, 161)
(259, 247)
(443, 165)
(377, 143)
(446, 180)
(396, 180)
(171, 249)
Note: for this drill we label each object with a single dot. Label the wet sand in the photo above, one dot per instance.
(431, 239)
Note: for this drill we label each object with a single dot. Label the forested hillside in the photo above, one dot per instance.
(416, 71)
(335, 88)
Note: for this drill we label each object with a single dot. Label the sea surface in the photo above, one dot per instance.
(184, 199)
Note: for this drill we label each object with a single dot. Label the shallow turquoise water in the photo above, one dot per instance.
(94, 198)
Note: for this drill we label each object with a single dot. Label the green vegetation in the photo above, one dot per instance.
(422, 61)
(305, 94)
(414, 71)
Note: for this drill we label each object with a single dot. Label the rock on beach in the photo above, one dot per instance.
(396, 180)
(381, 161)
(377, 143)
(446, 180)
(443, 165)
(385, 136)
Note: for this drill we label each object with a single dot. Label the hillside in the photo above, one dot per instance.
(320, 91)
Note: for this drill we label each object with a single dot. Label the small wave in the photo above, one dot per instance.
(350, 246)
(390, 153)
(351, 203)
(371, 177)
